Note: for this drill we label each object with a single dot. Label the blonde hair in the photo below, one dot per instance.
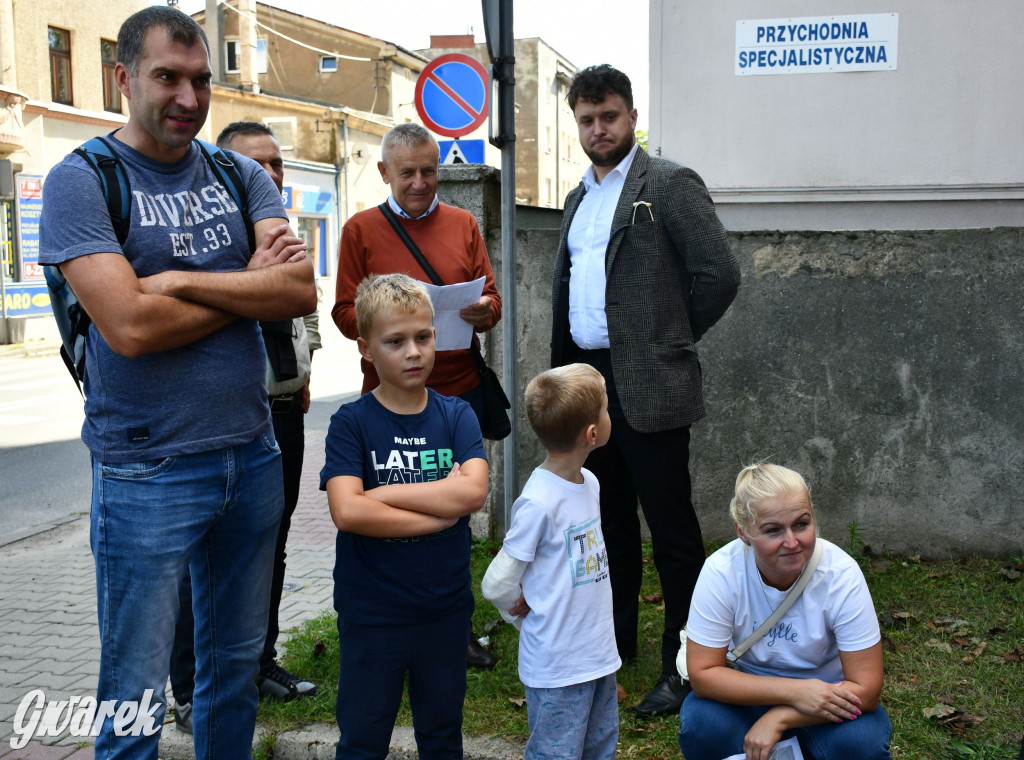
(388, 292)
(761, 481)
(562, 402)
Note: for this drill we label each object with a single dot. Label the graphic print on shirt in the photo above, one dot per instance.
(779, 632)
(187, 209)
(408, 465)
(588, 557)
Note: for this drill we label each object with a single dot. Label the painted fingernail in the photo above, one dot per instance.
(859, 712)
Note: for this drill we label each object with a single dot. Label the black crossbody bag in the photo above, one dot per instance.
(494, 422)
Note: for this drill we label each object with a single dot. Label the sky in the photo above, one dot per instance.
(587, 33)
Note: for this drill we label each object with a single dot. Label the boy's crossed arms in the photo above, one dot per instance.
(403, 510)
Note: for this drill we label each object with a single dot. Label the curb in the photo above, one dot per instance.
(317, 742)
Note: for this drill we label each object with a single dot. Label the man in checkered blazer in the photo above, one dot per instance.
(643, 270)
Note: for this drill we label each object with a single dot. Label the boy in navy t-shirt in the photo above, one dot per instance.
(405, 467)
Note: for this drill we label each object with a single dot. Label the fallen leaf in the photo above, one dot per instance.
(936, 644)
(517, 701)
(979, 649)
(1010, 573)
(319, 647)
(651, 598)
(1014, 655)
(938, 711)
(620, 693)
(965, 720)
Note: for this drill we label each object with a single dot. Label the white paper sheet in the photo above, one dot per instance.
(452, 330)
(785, 750)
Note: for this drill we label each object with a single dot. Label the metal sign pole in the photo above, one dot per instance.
(501, 48)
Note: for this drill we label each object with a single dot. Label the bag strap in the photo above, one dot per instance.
(385, 208)
(117, 191)
(794, 593)
(226, 171)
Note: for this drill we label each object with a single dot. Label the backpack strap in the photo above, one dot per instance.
(117, 190)
(226, 171)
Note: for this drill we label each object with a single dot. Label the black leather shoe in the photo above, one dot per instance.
(478, 657)
(665, 698)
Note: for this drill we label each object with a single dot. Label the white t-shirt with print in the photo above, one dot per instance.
(834, 613)
(568, 637)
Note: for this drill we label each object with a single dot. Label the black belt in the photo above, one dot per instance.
(284, 404)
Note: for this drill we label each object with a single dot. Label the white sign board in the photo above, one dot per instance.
(819, 45)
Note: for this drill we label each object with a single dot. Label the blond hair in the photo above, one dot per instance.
(562, 402)
(757, 482)
(388, 292)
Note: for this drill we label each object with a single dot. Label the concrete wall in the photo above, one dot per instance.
(789, 151)
(887, 367)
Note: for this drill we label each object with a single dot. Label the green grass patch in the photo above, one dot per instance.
(953, 636)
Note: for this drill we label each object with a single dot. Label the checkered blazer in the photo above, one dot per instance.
(670, 276)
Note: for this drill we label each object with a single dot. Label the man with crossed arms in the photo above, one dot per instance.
(186, 471)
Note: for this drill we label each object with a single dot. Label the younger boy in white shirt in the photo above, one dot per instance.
(554, 550)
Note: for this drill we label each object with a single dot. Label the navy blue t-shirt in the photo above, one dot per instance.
(388, 581)
(203, 396)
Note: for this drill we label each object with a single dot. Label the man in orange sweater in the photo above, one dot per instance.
(449, 239)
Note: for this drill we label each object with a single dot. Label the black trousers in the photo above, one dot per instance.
(654, 468)
(289, 430)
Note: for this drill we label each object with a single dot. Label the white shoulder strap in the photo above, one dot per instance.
(794, 593)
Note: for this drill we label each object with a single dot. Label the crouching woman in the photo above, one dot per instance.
(817, 673)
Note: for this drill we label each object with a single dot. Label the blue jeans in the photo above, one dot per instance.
(579, 721)
(711, 730)
(215, 513)
(374, 662)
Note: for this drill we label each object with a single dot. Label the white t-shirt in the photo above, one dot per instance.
(568, 637)
(834, 613)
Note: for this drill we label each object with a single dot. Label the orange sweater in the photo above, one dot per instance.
(450, 240)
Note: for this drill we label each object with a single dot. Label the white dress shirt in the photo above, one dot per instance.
(588, 242)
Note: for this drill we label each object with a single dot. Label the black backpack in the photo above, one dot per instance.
(72, 320)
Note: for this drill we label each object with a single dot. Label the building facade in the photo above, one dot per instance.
(801, 115)
(56, 91)
(549, 161)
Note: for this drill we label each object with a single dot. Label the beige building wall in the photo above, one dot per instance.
(37, 133)
(87, 26)
(369, 74)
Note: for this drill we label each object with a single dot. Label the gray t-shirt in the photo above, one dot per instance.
(203, 396)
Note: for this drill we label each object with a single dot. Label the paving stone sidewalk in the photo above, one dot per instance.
(49, 638)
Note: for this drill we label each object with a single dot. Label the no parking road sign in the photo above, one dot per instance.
(452, 94)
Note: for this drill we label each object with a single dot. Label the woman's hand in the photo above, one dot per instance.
(763, 736)
(831, 701)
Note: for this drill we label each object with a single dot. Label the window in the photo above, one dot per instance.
(233, 56)
(231, 64)
(328, 64)
(547, 139)
(60, 65)
(284, 130)
(111, 95)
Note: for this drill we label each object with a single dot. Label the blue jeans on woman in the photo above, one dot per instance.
(711, 730)
(215, 513)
